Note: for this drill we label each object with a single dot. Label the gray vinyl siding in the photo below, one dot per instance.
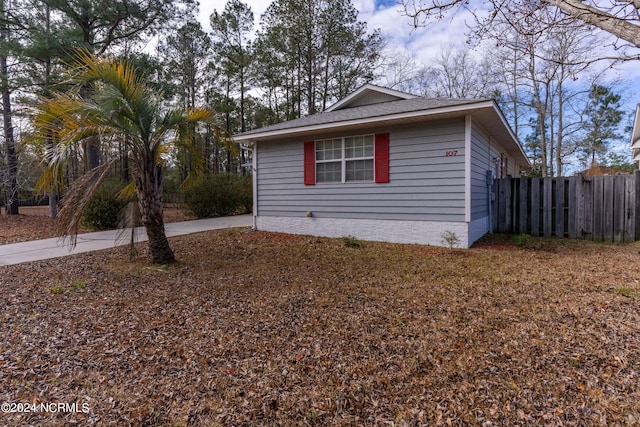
(423, 183)
(483, 152)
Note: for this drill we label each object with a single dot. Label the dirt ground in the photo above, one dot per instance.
(266, 329)
(33, 223)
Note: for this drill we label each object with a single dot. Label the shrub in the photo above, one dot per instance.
(450, 239)
(521, 240)
(352, 242)
(246, 193)
(219, 195)
(102, 212)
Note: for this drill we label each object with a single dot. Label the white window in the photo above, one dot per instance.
(345, 159)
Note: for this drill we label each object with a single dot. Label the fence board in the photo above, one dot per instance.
(502, 210)
(630, 212)
(596, 208)
(523, 200)
(535, 207)
(547, 207)
(508, 205)
(636, 176)
(607, 199)
(559, 196)
(587, 224)
(573, 199)
(619, 198)
(598, 204)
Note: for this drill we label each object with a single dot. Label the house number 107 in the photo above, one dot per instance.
(451, 153)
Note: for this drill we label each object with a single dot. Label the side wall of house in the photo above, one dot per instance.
(425, 195)
(485, 152)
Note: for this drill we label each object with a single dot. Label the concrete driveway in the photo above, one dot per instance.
(35, 250)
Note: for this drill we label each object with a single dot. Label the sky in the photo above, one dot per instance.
(383, 14)
(421, 43)
(424, 43)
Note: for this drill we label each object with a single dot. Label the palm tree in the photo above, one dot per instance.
(123, 106)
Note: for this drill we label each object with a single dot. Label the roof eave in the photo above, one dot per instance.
(345, 124)
(635, 133)
(451, 111)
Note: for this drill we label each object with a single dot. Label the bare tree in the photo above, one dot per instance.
(619, 18)
(457, 73)
(399, 71)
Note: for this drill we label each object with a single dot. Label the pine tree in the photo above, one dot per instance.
(602, 115)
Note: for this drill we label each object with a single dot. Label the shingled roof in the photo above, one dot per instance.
(383, 109)
(373, 106)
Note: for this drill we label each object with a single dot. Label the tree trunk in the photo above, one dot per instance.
(53, 204)
(149, 189)
(53, 197)
(560, 139)
(12, 157)
(159, 250)
(10, 143)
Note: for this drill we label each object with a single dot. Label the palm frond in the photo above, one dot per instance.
(124, 94)
(127, 192)
(128, 219)
(77, 200)
(52, 179)
(200, 115)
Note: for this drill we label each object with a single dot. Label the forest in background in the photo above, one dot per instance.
(301, 57)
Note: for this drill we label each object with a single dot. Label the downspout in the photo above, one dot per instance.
(490, 199)
(254, 170)
(254, 177)
(467, 168)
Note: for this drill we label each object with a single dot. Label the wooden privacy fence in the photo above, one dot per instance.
(600, 208)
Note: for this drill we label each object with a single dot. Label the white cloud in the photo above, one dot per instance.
(383, 14)
(422, 43)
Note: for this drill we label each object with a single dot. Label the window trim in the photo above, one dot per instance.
(343, 160)
(380, 160)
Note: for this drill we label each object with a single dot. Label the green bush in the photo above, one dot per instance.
(102, 212)
(246, 193)
(219, 195)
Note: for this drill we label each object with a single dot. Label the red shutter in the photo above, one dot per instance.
(309, 163)
(381, 157)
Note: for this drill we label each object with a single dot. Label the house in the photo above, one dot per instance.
(384, 165)
(635, 137)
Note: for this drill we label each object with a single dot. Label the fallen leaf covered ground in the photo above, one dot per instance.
(33, 223)
(277, 330)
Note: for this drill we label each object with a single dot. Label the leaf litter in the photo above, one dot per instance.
(272, 329)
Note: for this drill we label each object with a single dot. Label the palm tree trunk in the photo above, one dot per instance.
(159, 250)
(149, 189)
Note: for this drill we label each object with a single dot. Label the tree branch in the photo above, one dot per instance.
(618, 27)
